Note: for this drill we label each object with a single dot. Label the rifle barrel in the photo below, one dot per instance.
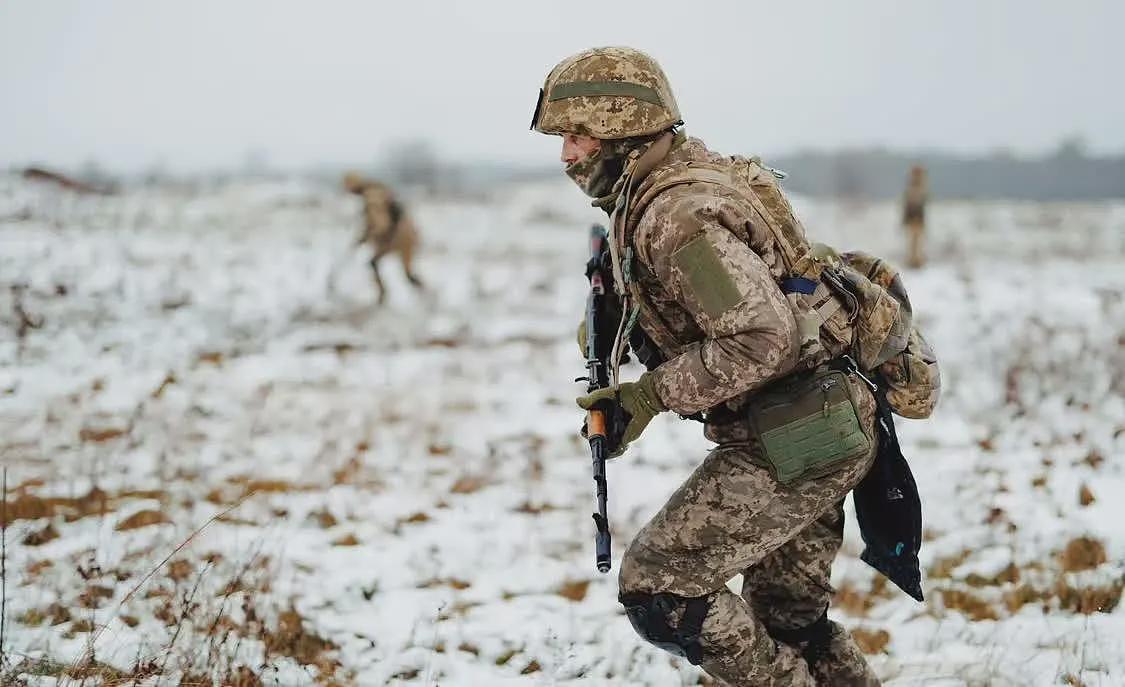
(602, 538)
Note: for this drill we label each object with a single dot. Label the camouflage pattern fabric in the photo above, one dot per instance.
(606, 93)
(915, 234)
(912, 379)
(914, 215)
(731, 517)
(846, 312)
(706, 272)
(386, 226)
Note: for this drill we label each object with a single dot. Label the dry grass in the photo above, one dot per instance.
(180, 570)
(416, 518)
(210, 357)
(324, 519)
(468, 484)
(1009, 575)
(439, 449)
(211, 654)
(530, 668)
(943, 568)
(574, 590)
(290, 637)
(968, 603)
(54, 614)
(451, 582)
(871, 641)
(94, 596)
(101, 434)
(144, 518)
(533, 509)
(1034, 585)
(1085, 496)
(1095, 598)
(1082, 553)
(346, 540)
(41, 536)
(858, 602)
(29, 506)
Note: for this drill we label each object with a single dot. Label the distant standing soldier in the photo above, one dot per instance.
(914, 214)
(386, 226)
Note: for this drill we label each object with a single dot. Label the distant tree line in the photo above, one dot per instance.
(1067, 174)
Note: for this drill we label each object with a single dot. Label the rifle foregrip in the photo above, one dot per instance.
(595, 423)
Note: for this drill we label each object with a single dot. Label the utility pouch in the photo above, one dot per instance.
(807, 425)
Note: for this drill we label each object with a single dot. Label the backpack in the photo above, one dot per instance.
(910, 377)
(850, 301)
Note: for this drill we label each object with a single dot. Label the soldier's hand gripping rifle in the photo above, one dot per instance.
(599, 345)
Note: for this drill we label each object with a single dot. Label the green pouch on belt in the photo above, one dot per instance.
(807, 425)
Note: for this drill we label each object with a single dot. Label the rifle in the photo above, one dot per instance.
(599, 344)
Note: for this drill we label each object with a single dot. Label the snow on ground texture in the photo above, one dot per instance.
(398, 496)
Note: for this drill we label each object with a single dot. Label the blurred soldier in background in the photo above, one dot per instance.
(386, 226)
(914, 214)
(705, 256)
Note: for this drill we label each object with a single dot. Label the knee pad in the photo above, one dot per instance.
(670, 621)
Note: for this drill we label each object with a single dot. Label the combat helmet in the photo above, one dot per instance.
(353, 182)
(606, 93)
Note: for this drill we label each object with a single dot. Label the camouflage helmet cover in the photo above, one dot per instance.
(606, 93)
(353, 182)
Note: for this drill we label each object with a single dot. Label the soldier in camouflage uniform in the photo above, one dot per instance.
(702, 269)
(914, 214)
(386, 226)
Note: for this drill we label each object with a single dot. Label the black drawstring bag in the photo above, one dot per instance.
(889, 509)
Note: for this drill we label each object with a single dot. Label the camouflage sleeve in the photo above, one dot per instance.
(749, 331)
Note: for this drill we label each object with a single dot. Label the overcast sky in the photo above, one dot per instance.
(199, 84)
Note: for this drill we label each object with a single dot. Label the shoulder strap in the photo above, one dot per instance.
(707, 173)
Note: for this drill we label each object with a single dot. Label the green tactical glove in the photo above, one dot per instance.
(639, 402)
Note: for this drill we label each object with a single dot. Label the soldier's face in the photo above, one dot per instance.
(576, 148)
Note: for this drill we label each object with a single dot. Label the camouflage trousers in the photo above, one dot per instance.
(916, 234)
(732, 517)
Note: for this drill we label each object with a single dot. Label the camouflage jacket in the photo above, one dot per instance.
(707, 278)
(382, 213)
(915, 196)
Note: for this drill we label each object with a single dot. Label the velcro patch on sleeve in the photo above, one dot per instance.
(706, 276)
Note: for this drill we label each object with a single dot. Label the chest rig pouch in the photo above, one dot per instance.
(807, 425)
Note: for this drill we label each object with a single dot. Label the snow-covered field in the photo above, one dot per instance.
(329, 493)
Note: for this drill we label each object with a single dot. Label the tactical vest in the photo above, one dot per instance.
(395, 212)
(850, 303)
